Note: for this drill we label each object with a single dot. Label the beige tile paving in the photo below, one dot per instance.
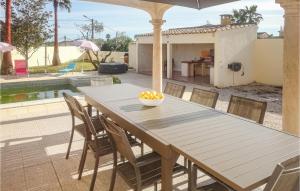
(13, 180)
(33, 158)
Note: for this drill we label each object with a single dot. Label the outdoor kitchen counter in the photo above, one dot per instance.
(189, 69)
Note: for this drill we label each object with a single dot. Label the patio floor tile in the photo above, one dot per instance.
(41, 177)
(13, 180)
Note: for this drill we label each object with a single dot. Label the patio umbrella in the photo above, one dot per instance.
(86, 45)
(197, 4)
(5, 47)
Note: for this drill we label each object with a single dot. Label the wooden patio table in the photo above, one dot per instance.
(237, 152)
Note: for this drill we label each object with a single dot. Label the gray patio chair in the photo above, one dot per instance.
(175, 90)
(98, 143)
(138, 172)
(71, 102)
(285, 177)
(247, 108)
(204, 97)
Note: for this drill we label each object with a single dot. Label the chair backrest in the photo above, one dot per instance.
(21, 67)
(77, 110)
(90, 130)
(247, 108)
(175, 90)
(119, 139)
(204, 97)
(71, 102)
(285, 176)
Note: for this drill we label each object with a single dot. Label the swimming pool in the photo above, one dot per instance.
(13, 95)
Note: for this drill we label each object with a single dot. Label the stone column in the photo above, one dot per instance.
(137, 56)
(291, 67)
(157, 55)
(169, 61)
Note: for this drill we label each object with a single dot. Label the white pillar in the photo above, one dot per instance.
(169, 61)
(137, 56)
(157, 55)
(291, 67)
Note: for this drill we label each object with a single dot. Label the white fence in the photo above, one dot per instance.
(43, 56)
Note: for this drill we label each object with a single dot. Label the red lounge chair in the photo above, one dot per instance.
(21, 67)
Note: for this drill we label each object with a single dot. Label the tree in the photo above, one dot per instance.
(107, 36)
(119, 43)
(63, 4)
(86, 30)
(248, 15)
(30, 26)
(6, 67)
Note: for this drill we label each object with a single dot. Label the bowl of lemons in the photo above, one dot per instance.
(151, 98)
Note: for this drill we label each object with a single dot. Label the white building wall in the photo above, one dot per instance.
(145, 57)
(268, 61)
(132, 51)
(234, 46)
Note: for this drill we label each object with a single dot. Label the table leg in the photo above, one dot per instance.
(90, 110)
(168, 163)
(190, 182)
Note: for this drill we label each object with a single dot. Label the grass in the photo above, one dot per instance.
(86, 66)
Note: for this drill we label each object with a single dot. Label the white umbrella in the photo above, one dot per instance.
(86, 45)
(5, 47)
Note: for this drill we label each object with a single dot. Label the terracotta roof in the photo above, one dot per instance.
(199, 29)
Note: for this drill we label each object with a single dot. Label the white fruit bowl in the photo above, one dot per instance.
(151, 103)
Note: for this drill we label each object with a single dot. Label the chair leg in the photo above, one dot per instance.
(82, 160)
(95, 173)
(155, 186)
(114, 172)
(71, 138)
(122, 158)
(142, 148)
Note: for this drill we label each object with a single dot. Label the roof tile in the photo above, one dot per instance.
(199, 29)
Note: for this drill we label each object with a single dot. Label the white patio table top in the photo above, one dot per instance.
(238, 152)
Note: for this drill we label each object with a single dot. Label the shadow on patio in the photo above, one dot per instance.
(33, 158)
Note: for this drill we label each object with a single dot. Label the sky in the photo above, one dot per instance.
(133, 21)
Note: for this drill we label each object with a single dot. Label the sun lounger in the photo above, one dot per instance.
(69, 68)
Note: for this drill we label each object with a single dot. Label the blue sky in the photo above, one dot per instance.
(134, 21)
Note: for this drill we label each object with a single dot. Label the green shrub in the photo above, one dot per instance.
(116, 80)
